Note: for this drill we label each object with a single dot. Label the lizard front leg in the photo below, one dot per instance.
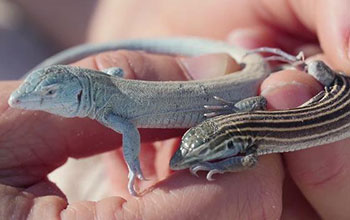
(232, 164)
(114, 71)
(131, 146)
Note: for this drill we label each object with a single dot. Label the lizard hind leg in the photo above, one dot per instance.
(279, 55)
(245, 105)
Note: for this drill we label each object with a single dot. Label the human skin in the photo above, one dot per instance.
(280, 23)
(34, 143)
(309, 183)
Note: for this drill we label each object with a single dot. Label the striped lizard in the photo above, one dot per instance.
(233, 142)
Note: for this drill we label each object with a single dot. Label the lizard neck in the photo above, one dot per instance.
(86, 100)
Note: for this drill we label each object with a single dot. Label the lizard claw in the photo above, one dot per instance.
(206, 167)
(136, 170)
(131, 184)
(222, 100)
(212, 172)
(215, 107)
(194, 170)
(140, 176)
(224, 107)
(197, 168)
(210, 114)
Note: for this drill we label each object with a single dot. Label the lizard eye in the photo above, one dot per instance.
(49, 90)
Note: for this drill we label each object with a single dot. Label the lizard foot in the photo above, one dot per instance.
(114, 71)
(206, 167)
(232, 164)
(131, 184)
(245, 105)
(135, 169)
(134, 172)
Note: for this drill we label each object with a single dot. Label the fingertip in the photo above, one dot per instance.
(322, 174)
(208, 66)
(136, 65)
(288, 89)
(262, 183)
(157, 67)
(333, 28)
(252, 37)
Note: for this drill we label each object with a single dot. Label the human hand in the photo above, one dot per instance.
(320, 173)
(277, 23)
(35, 143)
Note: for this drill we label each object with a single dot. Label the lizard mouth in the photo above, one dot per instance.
(23, 102)
(178, 162)
(14, 101)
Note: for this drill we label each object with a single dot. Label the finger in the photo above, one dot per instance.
(283, 90)
(183, 196)
(321, 173)
(331, 21)
(328, 19)
(295, 205)
(288, 24)
(252, 194)
(288, 89)
(265, 36)
(153, 67)
(19, 204)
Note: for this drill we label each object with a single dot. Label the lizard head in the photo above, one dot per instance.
(195, 146)
(56, 89)
(208, 143)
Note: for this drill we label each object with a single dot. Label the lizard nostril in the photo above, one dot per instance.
(13, 101)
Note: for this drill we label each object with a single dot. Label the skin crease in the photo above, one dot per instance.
(313, 182)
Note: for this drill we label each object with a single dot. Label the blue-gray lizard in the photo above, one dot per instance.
(123, 105)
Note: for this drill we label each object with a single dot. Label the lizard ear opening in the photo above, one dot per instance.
(79, 95)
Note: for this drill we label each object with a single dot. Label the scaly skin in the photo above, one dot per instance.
(123, 105)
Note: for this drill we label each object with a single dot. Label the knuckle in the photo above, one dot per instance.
(132, 62)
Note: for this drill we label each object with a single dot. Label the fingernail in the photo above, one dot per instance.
(250, 38)
(208, 66)
(285, 95)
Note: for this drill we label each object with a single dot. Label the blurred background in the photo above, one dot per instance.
(31, 31)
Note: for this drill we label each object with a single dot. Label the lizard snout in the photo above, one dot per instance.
(13, 100)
